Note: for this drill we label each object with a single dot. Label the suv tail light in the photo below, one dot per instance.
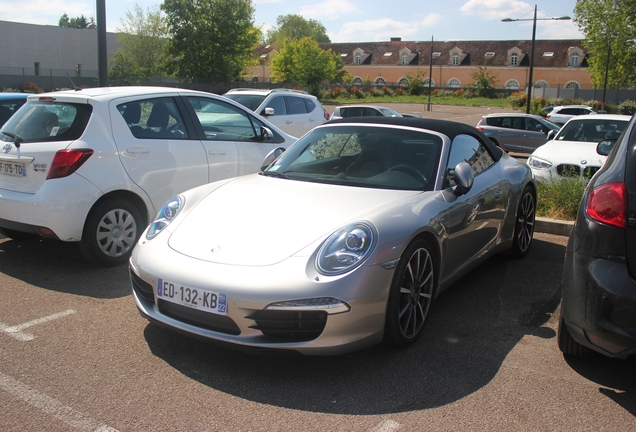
(479, 126)
(326, 114)
(66, 162)
(607, 204)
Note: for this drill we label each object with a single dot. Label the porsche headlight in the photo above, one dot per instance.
(535, 162)
(166, 215)
(345, 249)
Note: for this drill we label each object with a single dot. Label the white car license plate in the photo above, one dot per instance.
(196, 298)
(13, 169)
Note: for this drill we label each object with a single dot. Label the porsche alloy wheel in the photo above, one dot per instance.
(411, 294)
(524, 224)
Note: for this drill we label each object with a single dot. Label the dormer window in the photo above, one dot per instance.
(575, 56)
(455, 59)
(388, 54)
(405, 59)
(574, 60)
(548, 54)
(514, 59)
(358, 59)
(489, 54)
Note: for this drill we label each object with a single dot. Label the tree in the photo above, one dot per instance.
(484, 82)
(143, 36)
(303, 62)
(609, 27)
(80, 22)
(294, 28)
(210, 38)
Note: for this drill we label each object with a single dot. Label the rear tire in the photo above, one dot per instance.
(410, 296)
(524, 224)
(567, 344)
(111, 231)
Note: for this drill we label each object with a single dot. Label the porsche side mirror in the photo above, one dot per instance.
(605, 147)
(266, 134)
(271, 157)
(464, 177)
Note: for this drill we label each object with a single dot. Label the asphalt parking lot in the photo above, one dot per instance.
(76, 355)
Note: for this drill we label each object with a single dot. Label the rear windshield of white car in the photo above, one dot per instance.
(591, 130)
(48, 121)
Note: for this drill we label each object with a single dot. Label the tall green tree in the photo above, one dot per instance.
(303, 62)
(210, 38)
(609, 27)
(142, 36)
(294, 28)
(484, 82)
(80, 22)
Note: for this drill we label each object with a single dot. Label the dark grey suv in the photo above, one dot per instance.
(521, 133)
(598, 308)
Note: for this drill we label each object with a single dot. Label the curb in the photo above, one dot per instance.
(553, 226)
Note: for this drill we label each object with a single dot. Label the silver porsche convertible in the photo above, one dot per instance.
(341, 242)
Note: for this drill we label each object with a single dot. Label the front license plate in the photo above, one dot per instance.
(13, 169)
(195, 298)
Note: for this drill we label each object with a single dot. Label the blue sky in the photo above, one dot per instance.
(356, 20)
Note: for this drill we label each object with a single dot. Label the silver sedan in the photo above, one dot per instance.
(341, 242)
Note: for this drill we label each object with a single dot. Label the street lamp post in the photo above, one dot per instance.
(607, 60)
(430, 75)
(534, 32)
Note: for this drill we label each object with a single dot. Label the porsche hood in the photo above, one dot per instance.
(258, 221)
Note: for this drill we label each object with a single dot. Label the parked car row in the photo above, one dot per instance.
(94, 166)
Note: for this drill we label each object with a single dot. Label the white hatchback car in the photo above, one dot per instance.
(295, 112)
(562, 114)
(95, 165)
(572, 152)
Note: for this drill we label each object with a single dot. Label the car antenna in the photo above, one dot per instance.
(76, 88)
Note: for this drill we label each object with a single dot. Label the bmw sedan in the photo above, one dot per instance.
(341, 242)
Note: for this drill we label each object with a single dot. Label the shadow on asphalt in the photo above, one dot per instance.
(39, 262)
(472, 328)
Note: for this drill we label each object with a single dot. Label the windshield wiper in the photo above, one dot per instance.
(16, 138)
(282, 175)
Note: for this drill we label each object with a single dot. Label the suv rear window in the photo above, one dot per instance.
(49, 121)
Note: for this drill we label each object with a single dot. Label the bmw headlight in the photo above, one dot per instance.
(535, 162)
(345, 249)
(166, 215)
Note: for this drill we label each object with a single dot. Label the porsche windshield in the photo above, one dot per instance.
(368, 156)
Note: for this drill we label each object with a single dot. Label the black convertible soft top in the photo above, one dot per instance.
(449, 128)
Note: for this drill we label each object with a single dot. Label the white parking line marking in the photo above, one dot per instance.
(387, 426)
(16, 331)
(52, 406)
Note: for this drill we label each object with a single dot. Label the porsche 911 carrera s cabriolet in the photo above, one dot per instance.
(341, 242)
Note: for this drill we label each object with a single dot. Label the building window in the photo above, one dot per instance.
(572, 85)
(455, 60)
(541, 84)
(512, 84)
(358, 59)
(403, 82)
(36, 67)
(574, 60)
(380, 82)
(548, 54)
(405, 59)
(514, 59)
(254, 79)
(426, 80)
(454, 83)
(489, 54)
(78, 70)
(357, 81)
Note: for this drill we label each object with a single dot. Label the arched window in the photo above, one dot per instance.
(254, 79)
(425, 82)
(514, 59)
(541, 84)
(512, 84)
(357, 81)
(572, 85)
(455, 59)
(403, 82)
(380, 82)
(454, 83)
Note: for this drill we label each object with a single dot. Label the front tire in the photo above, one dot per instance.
(410, 296)
(111, 230)
(524, 224)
